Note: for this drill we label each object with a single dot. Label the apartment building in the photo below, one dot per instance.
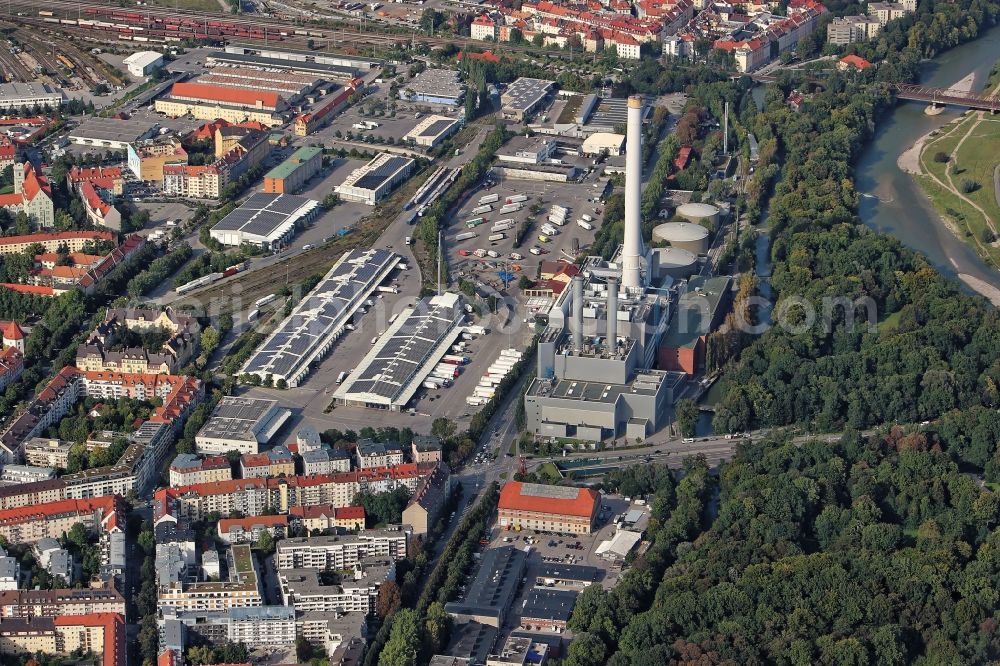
(342, 551)
(241, 590)
(188, 469)
(28, 524)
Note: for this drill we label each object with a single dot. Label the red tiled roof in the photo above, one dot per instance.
(34, 183)
(513, 499)
(29, 289)
(250, 522)
(350, 513)
(856, 61)
(225, 95)
(113, 652)
(106, 504)
(13, 332)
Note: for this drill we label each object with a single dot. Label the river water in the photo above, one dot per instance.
(901, 209)
(895, 204)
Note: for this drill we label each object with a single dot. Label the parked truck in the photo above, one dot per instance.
(587, 218)
(493, 238)
(488, 199)
(502, 225)
(479, 210)
(465, 235)
(517, 198)
(475, 329)
(510, 208)
(586, 225)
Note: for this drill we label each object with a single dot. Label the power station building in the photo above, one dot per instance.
(595, 377)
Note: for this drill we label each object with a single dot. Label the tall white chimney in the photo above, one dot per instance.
(612, 331)
(632, 248)
(578, 314)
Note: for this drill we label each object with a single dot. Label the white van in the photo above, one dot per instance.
(341, 377)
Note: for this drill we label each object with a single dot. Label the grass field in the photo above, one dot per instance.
(975, 161)
(550, 470)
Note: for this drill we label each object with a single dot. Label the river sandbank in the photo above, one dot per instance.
(909, 162)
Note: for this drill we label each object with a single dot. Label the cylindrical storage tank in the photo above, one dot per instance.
(675, 262)
(684, 235)
(696, 212)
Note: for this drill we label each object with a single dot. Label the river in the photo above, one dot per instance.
(901, 209)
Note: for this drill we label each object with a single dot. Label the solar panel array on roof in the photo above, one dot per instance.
(375, 177)
(437, 127)
(265, 214)
(319, 318)
(406, 350)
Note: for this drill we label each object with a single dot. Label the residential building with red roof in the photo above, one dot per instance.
(250, 529)
(853, 62)
(28, 524)
(188, 469)
(11, 366)
(327, 517)
(103, 178)
(548, 508)
(8, 153)
(312, 121)
(32, 196)
(254, 497)
(483, 27)
(74, 241)
(99, 212)
(13, 336)
(238, 149)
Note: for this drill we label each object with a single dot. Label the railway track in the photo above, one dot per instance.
(272, 27)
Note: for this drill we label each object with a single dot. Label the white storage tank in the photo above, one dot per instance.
(696, 212)
(683, 235)
(675, 262)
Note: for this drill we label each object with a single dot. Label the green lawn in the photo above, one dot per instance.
(550, 470)
(976, 160)
(890, 322)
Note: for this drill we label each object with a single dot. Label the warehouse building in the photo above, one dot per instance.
(544, 508)
(289, 176)
(294, 58)
(15, 95)
(213, 102)
(292, 86)
(432, 130)
(240, 424)
(319, 319)
(435, 86)
(524, 96)
(375, 180)
(143, 63)
(402, 358)
(268, 221)
(604, 143)
(110, 133)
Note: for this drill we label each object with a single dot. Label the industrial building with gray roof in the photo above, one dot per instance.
(402, 358)
(265, 220)
(319, 319)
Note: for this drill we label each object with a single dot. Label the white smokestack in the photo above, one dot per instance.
(612, 315)
(578, 314)
(632, 249)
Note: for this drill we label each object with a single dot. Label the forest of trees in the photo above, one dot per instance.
(867, 551)
(934, 349)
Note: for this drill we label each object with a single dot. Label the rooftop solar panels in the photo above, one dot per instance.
(376, 176)
(263, 219)
(319, 318)
(437, 127)
(394, 365)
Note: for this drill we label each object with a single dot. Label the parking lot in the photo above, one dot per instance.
(579, 198)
